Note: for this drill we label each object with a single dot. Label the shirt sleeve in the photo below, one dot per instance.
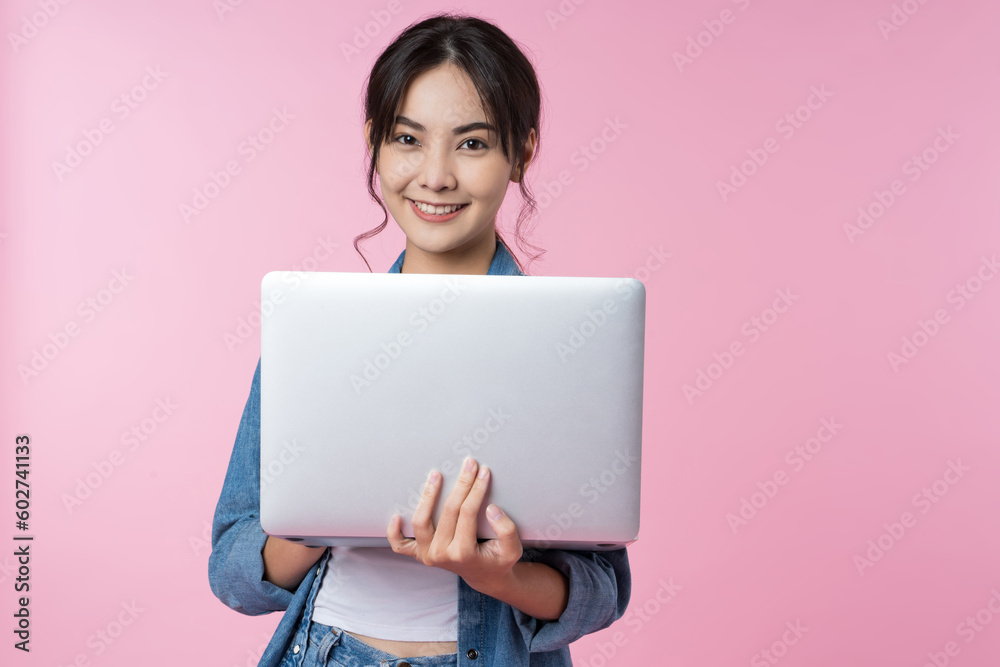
(600, 585)
(236, 565)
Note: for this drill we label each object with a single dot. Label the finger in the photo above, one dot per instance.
(423, 522)
(453, 504)
(399, 544)
(508, 541)
(468, 518)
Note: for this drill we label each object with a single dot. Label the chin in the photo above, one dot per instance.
(430, 239)
(438, 243)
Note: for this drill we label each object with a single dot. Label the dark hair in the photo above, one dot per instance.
(502, 75)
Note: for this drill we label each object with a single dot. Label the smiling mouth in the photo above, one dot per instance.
(430, 209)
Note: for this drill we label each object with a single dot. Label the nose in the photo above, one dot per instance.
(436, 171)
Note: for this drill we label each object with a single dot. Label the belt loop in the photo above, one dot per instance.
(331, 639)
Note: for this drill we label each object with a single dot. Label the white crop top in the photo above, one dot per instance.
(376, 592)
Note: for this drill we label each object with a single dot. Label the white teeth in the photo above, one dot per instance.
(436, 210)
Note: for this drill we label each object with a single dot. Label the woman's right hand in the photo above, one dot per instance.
(453, 545)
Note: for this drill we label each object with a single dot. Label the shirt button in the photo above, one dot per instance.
(403, 664)
(472, 653)
(295, 649)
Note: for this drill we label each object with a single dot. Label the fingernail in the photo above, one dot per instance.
(470, 463)
(493, 512)
(433, 477)
(483, 472)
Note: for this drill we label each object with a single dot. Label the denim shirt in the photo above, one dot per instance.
(491, 633)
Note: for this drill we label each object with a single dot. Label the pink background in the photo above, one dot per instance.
(142, 535)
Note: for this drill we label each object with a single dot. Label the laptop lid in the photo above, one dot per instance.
(370, 381)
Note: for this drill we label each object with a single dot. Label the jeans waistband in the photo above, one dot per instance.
(328, 642)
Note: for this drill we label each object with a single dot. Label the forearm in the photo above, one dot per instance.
(286, 563)
(535, 589)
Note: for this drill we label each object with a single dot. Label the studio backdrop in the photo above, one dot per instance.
(808, 192)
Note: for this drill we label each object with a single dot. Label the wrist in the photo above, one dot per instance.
(535, 589)
(496, 586)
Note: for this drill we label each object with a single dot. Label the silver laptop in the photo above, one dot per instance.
(370, 381)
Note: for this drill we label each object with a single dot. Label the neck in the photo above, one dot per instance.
(473, 259)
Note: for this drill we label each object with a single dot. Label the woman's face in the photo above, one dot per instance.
(441, 151)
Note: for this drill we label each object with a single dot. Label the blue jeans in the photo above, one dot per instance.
(330, 646)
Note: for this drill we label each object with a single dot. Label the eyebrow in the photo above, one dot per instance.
(461, 129)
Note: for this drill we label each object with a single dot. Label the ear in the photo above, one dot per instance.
(527, 155)
(368, 135)
(368, 141)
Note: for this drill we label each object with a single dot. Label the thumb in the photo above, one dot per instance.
(506, 531)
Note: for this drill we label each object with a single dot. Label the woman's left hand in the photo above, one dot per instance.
(453, 545)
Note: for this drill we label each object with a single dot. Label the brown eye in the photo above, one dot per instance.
(477, 141)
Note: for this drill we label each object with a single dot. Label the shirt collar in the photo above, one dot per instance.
(503, 263)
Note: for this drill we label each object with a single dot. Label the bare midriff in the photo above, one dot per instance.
(407, 649)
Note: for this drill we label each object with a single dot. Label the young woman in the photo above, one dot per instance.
(452, 116)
